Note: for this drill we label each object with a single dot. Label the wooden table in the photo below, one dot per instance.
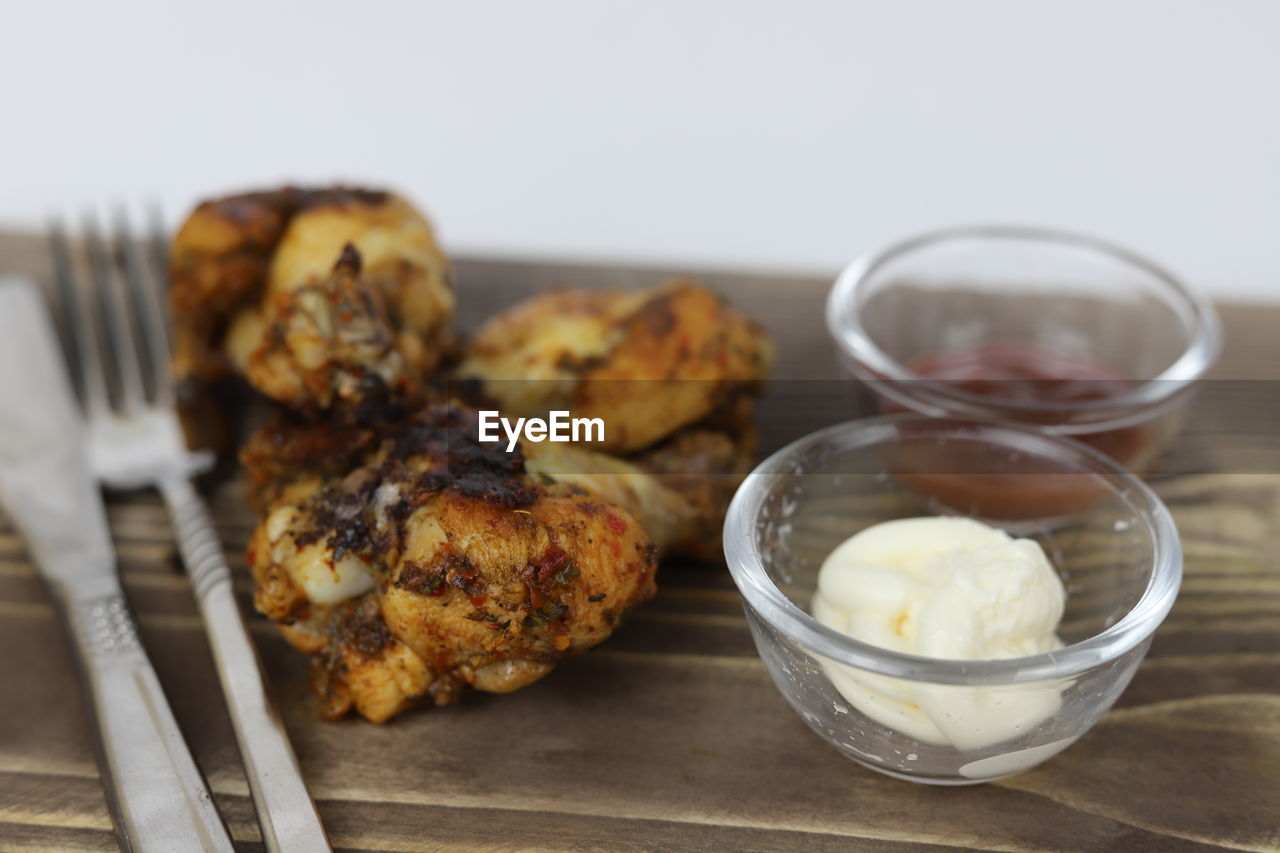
(671, 735)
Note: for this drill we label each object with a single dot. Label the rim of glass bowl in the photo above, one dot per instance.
(845, 327)
(763, 596)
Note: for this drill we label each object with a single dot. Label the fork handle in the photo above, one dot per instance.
(286, 811)
(158, 800)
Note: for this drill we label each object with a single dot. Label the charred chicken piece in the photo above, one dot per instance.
(294, 289)
(671, 370)
(649, 362)
(439, 562)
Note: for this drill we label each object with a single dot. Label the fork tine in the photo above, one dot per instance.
(158, 253)
(116, 308)
(150, 313)
(157, 241)
(74, 299)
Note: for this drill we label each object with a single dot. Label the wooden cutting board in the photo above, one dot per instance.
(671, 735)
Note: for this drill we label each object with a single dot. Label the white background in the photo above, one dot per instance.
(743, 134)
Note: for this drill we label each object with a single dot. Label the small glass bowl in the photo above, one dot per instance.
(1131, 326)
(1118, 555)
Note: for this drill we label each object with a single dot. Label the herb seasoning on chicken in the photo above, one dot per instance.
(440, 562)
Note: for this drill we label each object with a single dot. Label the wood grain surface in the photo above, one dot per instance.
(671, 735)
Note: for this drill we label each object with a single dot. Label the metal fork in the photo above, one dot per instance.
(135, 441)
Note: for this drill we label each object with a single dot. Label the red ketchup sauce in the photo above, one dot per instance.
(972, 478)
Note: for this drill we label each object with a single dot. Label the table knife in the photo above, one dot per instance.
(156, 795)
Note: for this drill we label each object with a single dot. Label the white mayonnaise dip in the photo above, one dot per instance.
(943, 588)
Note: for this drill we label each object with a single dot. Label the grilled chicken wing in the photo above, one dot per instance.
(671, 370)
(440, 562)
(315, 296)
(649, 362)
(409, 559)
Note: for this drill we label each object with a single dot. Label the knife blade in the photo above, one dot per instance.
(157, 798)
(45, 484)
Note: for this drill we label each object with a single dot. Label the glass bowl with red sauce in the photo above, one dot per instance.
(1068, 333)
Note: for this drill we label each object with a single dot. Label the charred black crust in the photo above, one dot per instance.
(349, 260)
(467, 579)
(446, 438)
(421, 579)
(359, 626)
(434, 579)
(355, 626)
(449, 436)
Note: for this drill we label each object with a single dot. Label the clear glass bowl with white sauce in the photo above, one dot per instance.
(934, 720)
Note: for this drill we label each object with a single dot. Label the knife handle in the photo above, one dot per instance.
(286, 812)
(155, 792)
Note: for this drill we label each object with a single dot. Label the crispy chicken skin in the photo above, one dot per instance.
(264, 285)
(649, 362)
(704, 467)
(671, 489)
(439, 562)
(671, 370)
(288, 448)
(679, 492)
(330, 343)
